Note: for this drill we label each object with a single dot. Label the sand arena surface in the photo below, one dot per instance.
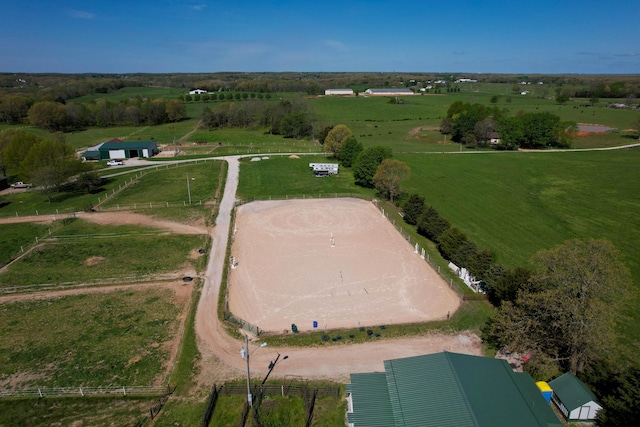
(290, 272)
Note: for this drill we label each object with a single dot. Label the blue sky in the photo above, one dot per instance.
(165, 36)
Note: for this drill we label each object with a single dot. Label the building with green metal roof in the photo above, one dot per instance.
(574, 399)
(447, 390)
(117, 149)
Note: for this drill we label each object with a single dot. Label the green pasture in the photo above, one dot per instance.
(519, 203)
(172, 184)
(95, 339)
(18, 235)
(122, 252)
(74, 412)
(126, 93)
(162, 134)
(34, 202)
(173, 190)
(282, 176)
(274, 411)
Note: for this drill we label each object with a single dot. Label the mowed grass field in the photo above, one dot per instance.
(101, 254)
(74, 412)
(113, 338)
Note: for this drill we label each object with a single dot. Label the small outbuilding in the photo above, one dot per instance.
(197, 92)
(574, 399)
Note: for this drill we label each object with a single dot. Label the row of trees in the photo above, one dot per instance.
(223, 96)
(476, 124)
(53, 116)
(289, 118)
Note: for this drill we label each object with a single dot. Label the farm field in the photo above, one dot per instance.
(110, 338)
(101, 255)
(512, 203)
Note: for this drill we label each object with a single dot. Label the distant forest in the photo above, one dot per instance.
(63, 87)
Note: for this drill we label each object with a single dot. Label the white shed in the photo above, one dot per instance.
(574, 399)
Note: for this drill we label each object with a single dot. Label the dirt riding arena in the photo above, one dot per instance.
(338, 262)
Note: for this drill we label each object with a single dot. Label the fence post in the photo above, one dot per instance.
(124, 391)
(39, 392)
(81, 393)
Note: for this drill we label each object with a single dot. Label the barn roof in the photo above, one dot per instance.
(458, 390)
(571, 391)
(371, 396)
(119, 145)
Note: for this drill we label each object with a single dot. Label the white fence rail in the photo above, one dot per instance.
(84, 391)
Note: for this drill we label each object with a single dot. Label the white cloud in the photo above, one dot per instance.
(81, 14)
(198, 7)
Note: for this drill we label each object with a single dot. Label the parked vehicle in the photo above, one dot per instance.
(21, 184)
(115, 163)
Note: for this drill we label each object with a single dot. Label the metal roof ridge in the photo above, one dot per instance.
(389, 366)
(507, 367)
(460, 388)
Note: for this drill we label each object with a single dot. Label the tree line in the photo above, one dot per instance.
(58, 117)
(477, 125)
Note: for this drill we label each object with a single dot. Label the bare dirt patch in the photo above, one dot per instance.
(130, 218)
(335, 262)
(94, 260)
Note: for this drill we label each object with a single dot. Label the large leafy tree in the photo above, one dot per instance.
(569, 311)
(335, 138)
(48, 115)
(431, 224)
(176, 110)
(349, 151)
(365, 165)
(536, 130)
(389, 177)
(50, 164)
(413, 208)
(14, 146)
(296, 125)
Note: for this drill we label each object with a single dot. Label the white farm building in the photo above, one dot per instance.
(338, 92)
(197, 92)
(574, 399)
(389, 92)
